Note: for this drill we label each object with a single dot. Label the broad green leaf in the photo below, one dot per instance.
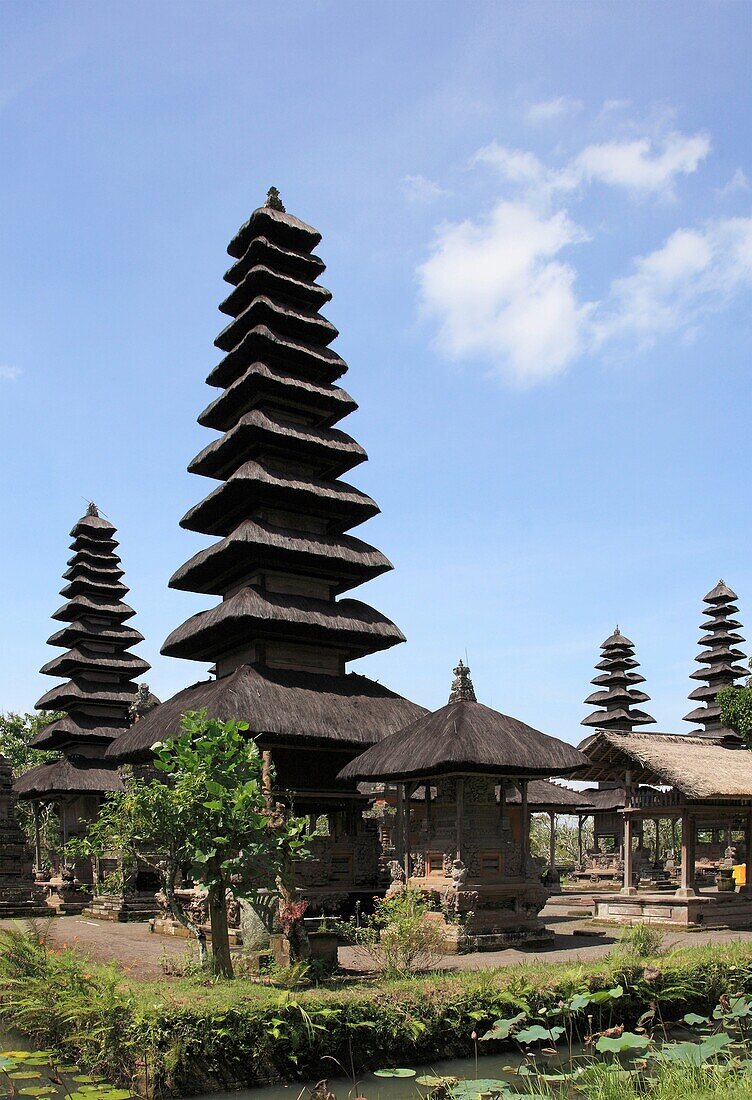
(538, 1034)
(578, 1002)
(502, 1029)
(432, 1082)
(394, 1073)
(626, 1041)
(693, 1020)
(471, 1090)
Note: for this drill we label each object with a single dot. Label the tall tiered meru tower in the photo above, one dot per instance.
(616, 692)
(721, 659)
(96, 698)
(280, 638)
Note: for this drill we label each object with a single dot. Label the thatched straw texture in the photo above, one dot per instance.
(291, 707)
(698, 768)
(74, 775)
(261, 342)
(308, 327)
(263, 384)
(259, 433)
(255, 484)
(263, 279)
(358, 628)
(256, 544)
(465, 737)
(279, 226)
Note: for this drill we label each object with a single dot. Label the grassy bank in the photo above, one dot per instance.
(189, 1035)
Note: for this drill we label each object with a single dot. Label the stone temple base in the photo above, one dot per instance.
(122, 907)
(486, 917)
(696, 911)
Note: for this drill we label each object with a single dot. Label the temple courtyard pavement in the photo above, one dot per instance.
(576, 939)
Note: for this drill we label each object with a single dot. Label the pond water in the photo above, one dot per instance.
(384, 1088)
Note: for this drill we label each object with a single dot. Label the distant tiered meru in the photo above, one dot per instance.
(617, 695)
(97, 696)
(721, 658)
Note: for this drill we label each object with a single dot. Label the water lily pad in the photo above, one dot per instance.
(502, 1029)
(394, 1073)
(693, 1020)
(24, 1075)
(37, 1090)
(471, 1090)
(538, 1034)
(430, 1081)
(694, 1054)
(620, 1043)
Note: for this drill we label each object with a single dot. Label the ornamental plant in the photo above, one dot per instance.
(212, 810)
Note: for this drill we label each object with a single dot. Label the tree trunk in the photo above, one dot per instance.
(221, 958)
(182, 917)
(291, 918)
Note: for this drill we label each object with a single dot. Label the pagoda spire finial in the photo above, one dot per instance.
(92, 509)
(273, 201)
(462, 685)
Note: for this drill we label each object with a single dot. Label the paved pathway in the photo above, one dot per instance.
(140, 952)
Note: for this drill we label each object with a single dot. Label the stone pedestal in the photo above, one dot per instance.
(685, 908)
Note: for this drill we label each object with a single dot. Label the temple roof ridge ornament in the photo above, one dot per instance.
(273, 200)
(462, 686)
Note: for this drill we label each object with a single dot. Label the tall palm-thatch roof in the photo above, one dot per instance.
(465, 737)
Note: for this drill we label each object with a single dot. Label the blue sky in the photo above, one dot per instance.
(537, 223)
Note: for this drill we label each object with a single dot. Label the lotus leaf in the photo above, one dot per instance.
(694, 1054)
(693, 1020)
(538, 1034)
(604, 995)
(626, 1041)
(432, 1082)
(503, 1028)
(471, 1090)
(578, 1002)
(394, 1073)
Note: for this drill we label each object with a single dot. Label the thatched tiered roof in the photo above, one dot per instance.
(616, 695)
(719, 659)
(696, 766)
(280, 638)
(469, 738)
(282, 511)
(97, 659)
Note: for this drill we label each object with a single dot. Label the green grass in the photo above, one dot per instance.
(196, 1034)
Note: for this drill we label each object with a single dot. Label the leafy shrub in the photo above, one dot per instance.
(400, 937)
(643, 941)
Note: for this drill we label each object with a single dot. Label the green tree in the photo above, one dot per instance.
(212, 810)
(16, 731)
(736, 710)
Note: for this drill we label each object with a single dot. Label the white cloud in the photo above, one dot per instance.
(500, 292)
(737, 183)
(514, 165)
(550, 109)
(695, 272)
(422, 190)
(641, 166)
(9, 374)
(610, 105)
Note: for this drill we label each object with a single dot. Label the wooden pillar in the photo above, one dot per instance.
(37, 840)
(525, 827)
(627, 888)
(687, 884)
(552, 841)
(502, 802)
(399, 838)
(459, 813)
(657, 852)
(266, 777)
(579, 839)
